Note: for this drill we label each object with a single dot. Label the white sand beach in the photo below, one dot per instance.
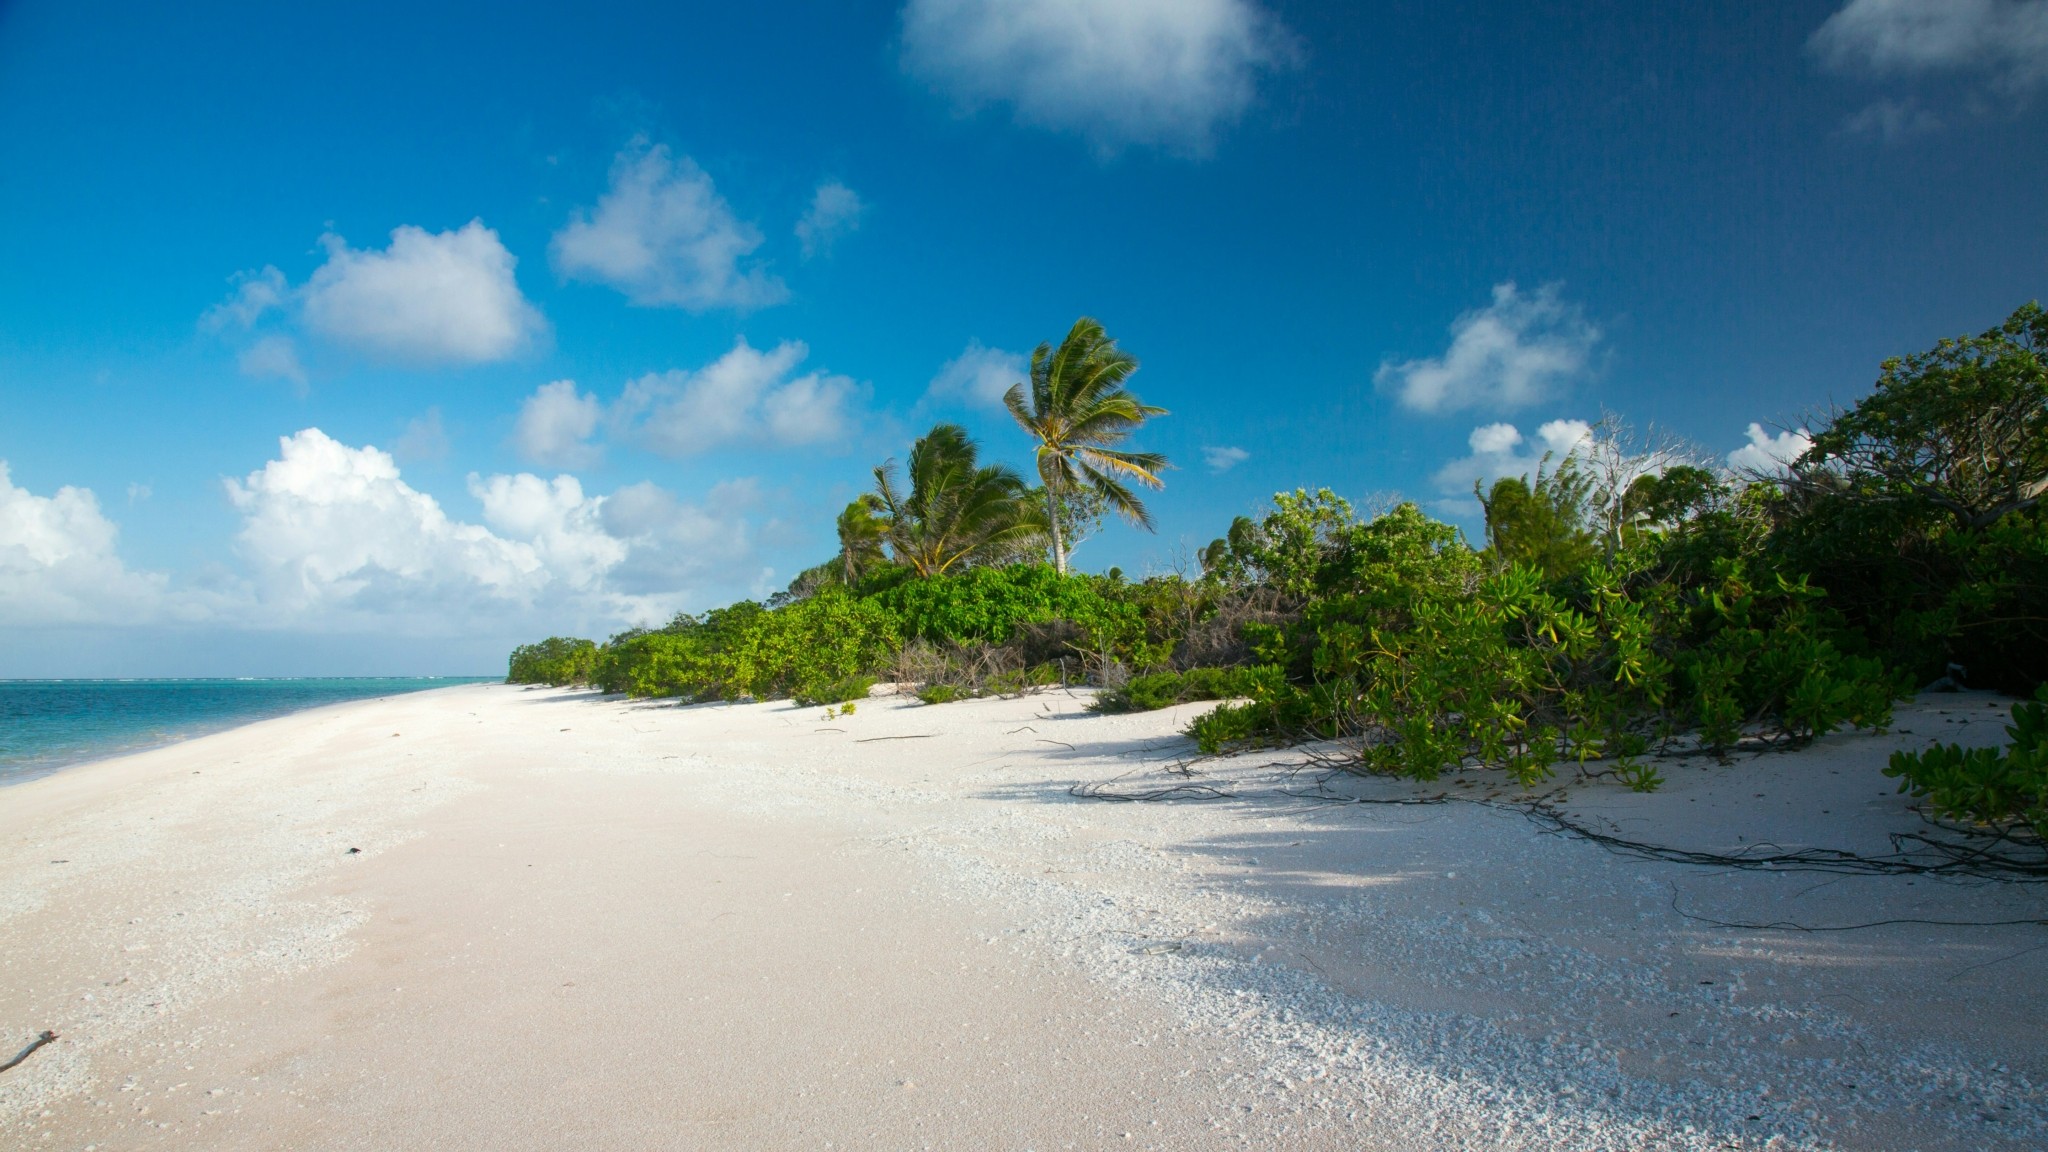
(492, 917)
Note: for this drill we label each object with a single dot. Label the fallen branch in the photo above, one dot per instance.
(1790, 926)
(46, 1037)
(918, 736)
(1101, 791)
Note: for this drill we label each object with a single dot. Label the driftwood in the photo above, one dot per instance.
(29, 1051)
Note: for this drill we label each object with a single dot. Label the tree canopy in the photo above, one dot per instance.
(956, 511)
(1078, 410)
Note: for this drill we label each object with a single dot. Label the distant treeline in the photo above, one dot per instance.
(1627, 595)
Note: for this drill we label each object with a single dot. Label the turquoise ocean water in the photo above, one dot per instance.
(47, 724)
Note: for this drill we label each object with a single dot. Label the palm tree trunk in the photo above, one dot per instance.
(1052, 516)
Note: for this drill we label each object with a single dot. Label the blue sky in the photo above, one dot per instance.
(308, 310)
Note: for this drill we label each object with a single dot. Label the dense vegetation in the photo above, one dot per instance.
(1628, 597)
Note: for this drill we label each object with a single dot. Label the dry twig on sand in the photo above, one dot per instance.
(45, 1038)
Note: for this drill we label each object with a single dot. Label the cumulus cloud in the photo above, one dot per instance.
(664, 236)
(563, 526)
(2004, 42)
(744, 396)
(430, 298)
(1767, 454)
(326, 525)
(978, 377)
(676, 545)
(1500, 450)
(835, 211)
(1167, 73)
(59, 563)
(1509, 354)
(1224, 457)
(332, 537)
(555, 425)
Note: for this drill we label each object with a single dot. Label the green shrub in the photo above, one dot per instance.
(943, 693)
(558, 660)
(1404, 646)
(1922, 508)
(990, 605)
(812, 646)
(2007, 786)
(1273, 711)
(1165, 689)
(841, 691)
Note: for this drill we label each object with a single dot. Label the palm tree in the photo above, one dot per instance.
(957, 512)
(861, 533)
(1079, 411)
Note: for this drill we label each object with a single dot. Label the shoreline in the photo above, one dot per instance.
(23, 771)
(743, 912)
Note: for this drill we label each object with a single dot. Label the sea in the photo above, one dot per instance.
(50, 724)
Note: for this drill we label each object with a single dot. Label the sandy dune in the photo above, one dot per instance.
(583, 922)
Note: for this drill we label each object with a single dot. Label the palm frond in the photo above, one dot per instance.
(1141, 466)
(1119, 497)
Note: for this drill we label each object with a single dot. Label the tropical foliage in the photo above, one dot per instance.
(809, 649)
(1987, 785)
(1625, 599)
(555, 660)
(1078, 410)
(1921, 508)
(957, 511)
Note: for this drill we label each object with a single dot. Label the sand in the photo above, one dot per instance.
(493, 917)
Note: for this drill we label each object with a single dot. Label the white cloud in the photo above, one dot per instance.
(1500, 450)
(835, 211)
(431, 297)
(677, 545)
(809, 409)
(272, 357)
(1767, 454)
(978, 376)
(334, 539)
(326, 526)
(1222, 458)
(555, 425)
(256, 294)
(743, 396)
(1119, 72)
(2002, 41)
(59, 564)
(664, 236)
(564, 528)
(1512, 353)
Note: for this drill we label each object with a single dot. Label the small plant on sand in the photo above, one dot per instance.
(942, 694)
(1165, 689)
(1639, 777)
(1996, 786)
(843, 691)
